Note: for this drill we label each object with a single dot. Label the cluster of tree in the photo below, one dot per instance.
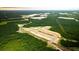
(8, 14)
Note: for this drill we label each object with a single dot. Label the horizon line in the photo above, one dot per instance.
(30, 8)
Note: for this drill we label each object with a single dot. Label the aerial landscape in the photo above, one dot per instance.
(39, 30)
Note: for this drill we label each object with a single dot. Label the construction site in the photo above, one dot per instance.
(39, 31)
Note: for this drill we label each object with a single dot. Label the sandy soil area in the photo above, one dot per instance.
(44, 34)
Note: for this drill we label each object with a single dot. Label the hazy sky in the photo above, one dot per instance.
(42, 4)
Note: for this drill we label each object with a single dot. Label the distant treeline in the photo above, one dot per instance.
(5, 14)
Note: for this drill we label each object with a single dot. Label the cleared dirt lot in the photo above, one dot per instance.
(44, 34)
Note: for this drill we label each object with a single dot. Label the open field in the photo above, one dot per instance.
(10, 39)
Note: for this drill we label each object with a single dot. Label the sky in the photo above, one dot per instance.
(42, 4)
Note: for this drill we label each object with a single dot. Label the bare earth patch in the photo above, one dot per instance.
(44, 34)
